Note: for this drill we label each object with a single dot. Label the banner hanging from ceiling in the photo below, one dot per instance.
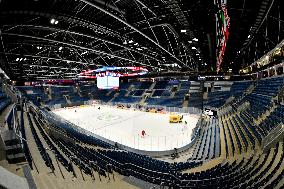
(222, 30)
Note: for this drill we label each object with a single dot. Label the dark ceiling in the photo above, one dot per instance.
(257, 26)
(53, 39)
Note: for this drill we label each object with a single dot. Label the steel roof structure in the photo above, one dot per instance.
(57, 39)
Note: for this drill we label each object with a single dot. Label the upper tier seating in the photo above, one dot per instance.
(158, 93)
(275, 118)
(102, 95)
(136, 93)
(166, 93)
(124, 86)
(181, 93)
(261, 97)
(85, 90)
(33, 92)
(184, 85)
(238, 88)
(217, 98)
(58, 93)
(126, 99)
(145, 85)
(75, 97)
(4, 100)
(195, 100)
(172, 102)
(161, 84)
(269, 86)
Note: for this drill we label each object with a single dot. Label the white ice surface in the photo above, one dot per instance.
(125, 126)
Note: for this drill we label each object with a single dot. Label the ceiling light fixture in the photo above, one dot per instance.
(52, 21)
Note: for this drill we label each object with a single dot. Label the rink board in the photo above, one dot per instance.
(125, 126)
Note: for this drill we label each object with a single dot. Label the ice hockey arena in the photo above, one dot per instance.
(149, 94)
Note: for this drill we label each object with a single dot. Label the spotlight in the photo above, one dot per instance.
(52, 21)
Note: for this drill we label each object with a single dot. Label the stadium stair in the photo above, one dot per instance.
(250, 89)
(66, 97)
(152, 86)
(173, 94)
(185, 103)
(263, 116)
(127, 93)
(114, 96)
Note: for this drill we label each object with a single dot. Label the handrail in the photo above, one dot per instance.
(273, 135)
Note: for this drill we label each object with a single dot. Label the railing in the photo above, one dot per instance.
(150, 145)
(10, 91)
(189, 110)
(243, 106)
(273, 137)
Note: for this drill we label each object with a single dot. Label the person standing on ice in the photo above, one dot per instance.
(143, 133)
(184, 126)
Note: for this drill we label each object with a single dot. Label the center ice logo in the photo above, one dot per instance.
(108, 117)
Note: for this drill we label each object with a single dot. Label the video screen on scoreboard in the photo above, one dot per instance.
(107, 82)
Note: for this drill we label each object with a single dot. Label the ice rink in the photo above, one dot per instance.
(125, 126)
